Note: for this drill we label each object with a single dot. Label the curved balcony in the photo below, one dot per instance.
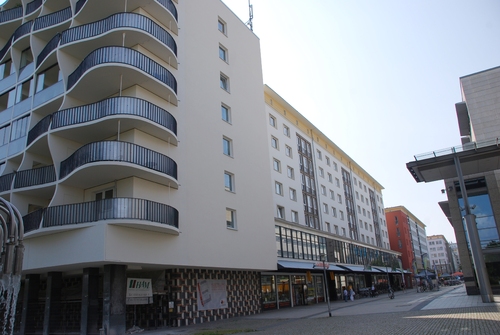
(11, 14)
(123, 20)
(33, 6)
(92, 164)
(40, 128)
(47, 50)
(123, 65)
(32, 177)
(23, 30)
(133, 113)
(168, 4)
(6, 181)
(6, 47)
(52, 19)
(128, 212)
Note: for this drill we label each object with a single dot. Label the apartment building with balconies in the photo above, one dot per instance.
(132, 135)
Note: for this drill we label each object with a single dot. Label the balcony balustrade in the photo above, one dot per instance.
(168, 4)
(6, 47)
(52, 19)
(32, 177)
(40, 128)
(102, 210)
(115, 21)
(127, 56)
(6, 182)
(33, 6)
(24, 29)
(11, 14)
(119, 152)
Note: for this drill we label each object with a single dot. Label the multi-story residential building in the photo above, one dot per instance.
(325, 204)
(440, 254)
(134, 149)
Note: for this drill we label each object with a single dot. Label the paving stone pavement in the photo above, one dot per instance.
(448, 311)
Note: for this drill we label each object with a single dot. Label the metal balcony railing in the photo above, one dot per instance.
(32, 6)
(38, 176)
(52, 18)
(168, 4)
(23, 29)
(100, 210)
(125, 56)
(40, 128)
(11, 14)
(119, 152)
(119, 20)
(6, 182)
(51, 46)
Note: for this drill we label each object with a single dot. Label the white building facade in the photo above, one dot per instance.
(440, 255)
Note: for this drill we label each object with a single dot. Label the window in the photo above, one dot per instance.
(330, 177)
(19, 128)
(357, 195)
(337, 182)
(334, 212)
(366, 226)
(288, 151)
(6, 69)
(25, 90)
(224, 82)
(26, 58)
(225, 113)
(323, 190)
(105, 194)
(272, 121)
(359, 210)
(295, 217)
(223, 53)
(339, 198)
(230, 218)
(327, 160)
(229, 181)
(4, 135)
(290, 172)
(343, 231)
(280, 212)
(276, 165)
(327, 226)
(320, 156)
(336, 229)
(321, 172)
(371, 228)
(325, 208)
(222, 27)
(362, 237)
(293, 194)
(278, 188)
(286, 131)
(332, 195)
(227, 146)
(274, 142)
(335, 167)
(7, 99)
(341, 215)
(48, 78)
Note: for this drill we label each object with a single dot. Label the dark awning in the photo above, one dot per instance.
(296, 265)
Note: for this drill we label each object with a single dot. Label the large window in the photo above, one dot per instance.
(48, 78)
(485, 221)
(19, 128)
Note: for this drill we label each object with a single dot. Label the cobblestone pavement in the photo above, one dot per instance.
(449, 311)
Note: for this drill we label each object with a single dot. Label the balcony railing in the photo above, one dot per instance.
(24, 29)
(52, 45)
(6, 182)
(79, 5)
(38, 176)
(40, 128)
(6, 47)
(11, 14)
(116, 21)
(119, 152)
(125, 56)
(168, 4)
(32, 6)
(101, 210)
(114, 106)
(52, 18)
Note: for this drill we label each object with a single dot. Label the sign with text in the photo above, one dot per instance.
(139, 291)
(212, 294)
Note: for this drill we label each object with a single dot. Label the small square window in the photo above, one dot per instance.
(280, 212)
(224, 82)
(225, 113)
(293, 194)
(321, 172)
(327, 160)
(227, 146)
(229, 181)
(274, 142)
(230, 218)
(328, 229)
(335, 167)
(223, 53)
(286, 131)
(272, 121)
(278, 187)
(288, 151)
(320, 156)
(332, 195)
(334, 212)
(295, 217)
(339, 198)
(290, 172)
(330, 177)
(276, 165)
(222, 26)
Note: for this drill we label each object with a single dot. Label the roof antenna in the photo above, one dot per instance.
(250, 14)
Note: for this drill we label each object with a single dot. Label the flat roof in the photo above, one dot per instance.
(475, 157)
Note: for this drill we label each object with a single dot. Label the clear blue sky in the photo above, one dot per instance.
(379, 78)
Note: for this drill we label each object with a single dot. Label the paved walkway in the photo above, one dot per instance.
(448, 311)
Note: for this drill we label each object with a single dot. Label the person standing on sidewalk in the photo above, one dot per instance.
(352, 293)
(345, 294)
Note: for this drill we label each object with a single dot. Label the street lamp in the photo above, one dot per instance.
(323, 259)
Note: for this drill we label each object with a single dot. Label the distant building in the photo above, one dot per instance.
(440, 254)
(455, 257)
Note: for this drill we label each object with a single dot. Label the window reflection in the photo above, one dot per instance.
(485, 221)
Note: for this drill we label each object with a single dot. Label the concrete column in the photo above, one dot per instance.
(30, 303)
(52, 303)
(89, 323)
(114, 291)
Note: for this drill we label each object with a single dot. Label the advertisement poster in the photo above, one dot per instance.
(211, 294)
(139, 291)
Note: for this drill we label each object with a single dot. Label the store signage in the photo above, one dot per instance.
(139, 291)
(321, 265)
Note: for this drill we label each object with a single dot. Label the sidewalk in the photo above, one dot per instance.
(378, 311)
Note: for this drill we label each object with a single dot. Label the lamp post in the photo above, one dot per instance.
(323, 259)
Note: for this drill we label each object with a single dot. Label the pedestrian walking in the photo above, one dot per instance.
(352, 294)
(373, 290)
(346, 296)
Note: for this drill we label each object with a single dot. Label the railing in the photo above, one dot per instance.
(38, 176)
(32, 6)
(53, 43)
(168, 4)
(115, 21)
(11, 14)
(23, 29)
(114, 106)
(6, 182)
(79, 5)
(40, 128)
(119, 152)
(459, 148)
(106, 209)
(6, 47)
(125, 56)
(52, 18)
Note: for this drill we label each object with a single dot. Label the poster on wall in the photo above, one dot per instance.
(212, 294)
(139, 291)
